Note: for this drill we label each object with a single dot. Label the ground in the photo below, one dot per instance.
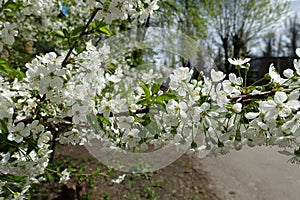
(184, 179)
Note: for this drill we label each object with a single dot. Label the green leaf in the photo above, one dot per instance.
(103, 120)
(12, 178)
(3, 127)
(101, 27)
(10, 72)
(143, 102)
(32, 145)
(146, 89)
(97, 24)
(11, 5)
(105, 30)
(58, 33)
(146, 119)
(77, 31)
(66, 33)
(161, 103)
(155, 88)
(5, 68)
(166, 97)
(2, 61)
(49, 176)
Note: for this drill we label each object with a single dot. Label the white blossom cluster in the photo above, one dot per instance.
(28, 145)
(50, 97)
(96, 97)
(39, 17)
(129, 110)
(8, 31)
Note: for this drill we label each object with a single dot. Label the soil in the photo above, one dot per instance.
(183, 179)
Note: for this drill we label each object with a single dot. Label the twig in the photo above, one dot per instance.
(247, 97)
(65, 62)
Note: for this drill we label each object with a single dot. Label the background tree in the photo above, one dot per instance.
(183, 15)
(237, 24)
(285, 42)
(291, 35)
(272, 45)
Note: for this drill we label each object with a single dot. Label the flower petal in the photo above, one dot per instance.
(298, 52)
(280, 97)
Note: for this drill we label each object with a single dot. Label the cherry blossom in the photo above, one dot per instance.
(128, 108)
(238, 62)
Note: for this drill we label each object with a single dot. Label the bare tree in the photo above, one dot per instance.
(239, 23)
(273, 45)
(292, 35)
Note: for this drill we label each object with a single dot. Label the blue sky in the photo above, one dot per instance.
(295, 5)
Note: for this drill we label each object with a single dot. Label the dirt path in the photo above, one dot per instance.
(254, 173)
(184, 179)
(250, 174)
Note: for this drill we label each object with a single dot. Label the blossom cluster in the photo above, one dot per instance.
(39, 18)
(95, 101)
(51, 99)
(98, 96)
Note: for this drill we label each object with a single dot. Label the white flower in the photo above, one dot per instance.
(280, 97)
(65, 176)
(48, 58)
(269, 109)
(35, 128)
(78, 113)
(177, 108)
(297, 66)
(217, 76)
(220, 96)
(278, 106)
(17, 133)
(119, 179)
(90, 46)
(232, 85)
(105, 108)
(125, 122)
(292, 125)
(251, 115)
(298, 52)
(288, 73)
(113, 78)
(70, 137)
(237, 107)
(8, 33)
(5, 158)
(116, 77)
(179, 80)
(118, 105)
(275, 77)
(233, 79)
(44, 138)
(50, 86)
(195, 94)
(181, 74)
(131, 138)
(239, 61)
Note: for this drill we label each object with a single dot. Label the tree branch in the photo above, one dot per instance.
(65, 62)
(247, 97)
